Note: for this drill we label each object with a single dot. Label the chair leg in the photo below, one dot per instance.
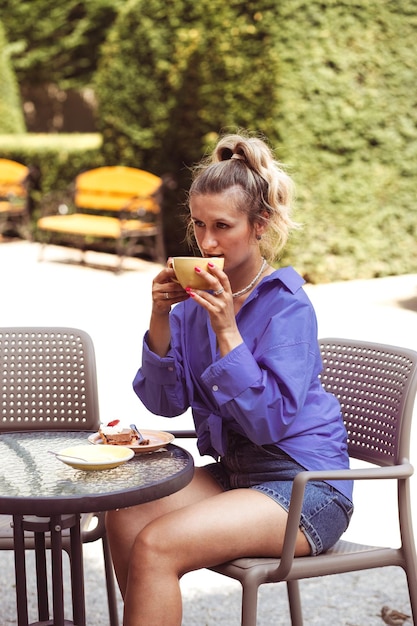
(41, 251)
(249, 604)
(110, 583)
(411, 575)
(409, 547)
(294, 601)
(20, 569)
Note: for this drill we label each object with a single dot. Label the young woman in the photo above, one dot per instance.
(244, 355)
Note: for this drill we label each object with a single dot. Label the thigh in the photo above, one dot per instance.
(325, 512)
(127, 523)
(236, 523)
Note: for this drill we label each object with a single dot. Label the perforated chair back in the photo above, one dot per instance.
(48, 380)
(375, 385)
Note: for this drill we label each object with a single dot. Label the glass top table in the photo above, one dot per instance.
(46, 496)
(34, 482)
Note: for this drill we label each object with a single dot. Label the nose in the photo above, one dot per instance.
(208, 242)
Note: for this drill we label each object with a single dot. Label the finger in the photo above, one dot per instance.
(214, 283)
(206, 298)
(216, 271)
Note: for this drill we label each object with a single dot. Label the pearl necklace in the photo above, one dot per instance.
(252, 283)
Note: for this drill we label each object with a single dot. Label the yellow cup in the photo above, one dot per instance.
(185, 273)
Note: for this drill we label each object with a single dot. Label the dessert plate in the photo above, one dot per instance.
(157, 439)
(91, 459)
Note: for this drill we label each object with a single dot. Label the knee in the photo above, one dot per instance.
(148, 543)
(151, 549)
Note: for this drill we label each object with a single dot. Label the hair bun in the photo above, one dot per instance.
(226, 154)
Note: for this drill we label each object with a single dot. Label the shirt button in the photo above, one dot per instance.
(215, 388)
(170, 368)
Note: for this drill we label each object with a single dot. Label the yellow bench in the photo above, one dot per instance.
(116, 202)
(13, 194)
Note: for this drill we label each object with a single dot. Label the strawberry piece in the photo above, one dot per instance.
(113, 423)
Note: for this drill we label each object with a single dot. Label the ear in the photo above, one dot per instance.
(261, 225)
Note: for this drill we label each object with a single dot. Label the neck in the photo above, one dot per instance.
(253, 279)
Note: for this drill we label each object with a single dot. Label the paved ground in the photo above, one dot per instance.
(115, 309)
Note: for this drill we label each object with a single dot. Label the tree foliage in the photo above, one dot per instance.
(11, 114)
(56, 41)
(173, 75)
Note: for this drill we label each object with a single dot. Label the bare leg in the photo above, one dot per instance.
(124, 525)
(203, 531)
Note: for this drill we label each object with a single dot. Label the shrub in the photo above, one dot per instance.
(173, 75)
(54, 160)
(350, 120)
(329, 83)
(57, 42)
(11, 114)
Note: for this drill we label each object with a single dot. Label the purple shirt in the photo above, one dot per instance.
(267, 388)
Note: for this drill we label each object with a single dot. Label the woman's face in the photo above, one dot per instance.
(222, 230)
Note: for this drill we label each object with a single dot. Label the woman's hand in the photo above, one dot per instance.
(218, 303)
(166, 291)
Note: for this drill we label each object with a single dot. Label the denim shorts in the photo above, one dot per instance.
(325, 513)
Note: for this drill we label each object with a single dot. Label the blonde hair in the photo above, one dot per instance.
(264, 191)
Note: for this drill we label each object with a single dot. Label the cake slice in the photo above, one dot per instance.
(116, 435)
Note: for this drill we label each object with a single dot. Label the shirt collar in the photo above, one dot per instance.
(289, 278)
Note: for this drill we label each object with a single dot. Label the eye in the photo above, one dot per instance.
(222, 225)
(198, 224)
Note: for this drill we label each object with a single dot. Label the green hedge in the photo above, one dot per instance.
(349, 110)
(11, 114)
(331, 84)
(173, 74)
(55, 160)
(57, 42)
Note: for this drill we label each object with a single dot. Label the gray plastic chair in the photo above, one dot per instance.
(48, 382)
(376, 385)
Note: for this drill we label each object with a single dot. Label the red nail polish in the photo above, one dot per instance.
(210, 265)
(197, 269)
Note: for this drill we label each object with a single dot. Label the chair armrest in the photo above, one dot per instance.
(400, 471)
(184, 434)
(98, 531)
(58, 202)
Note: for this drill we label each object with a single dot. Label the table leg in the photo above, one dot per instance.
(57, 578)
(41, 576)
(20, 570)
(77, 575)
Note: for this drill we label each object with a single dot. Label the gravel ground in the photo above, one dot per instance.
(353, 599)
(115, 311)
